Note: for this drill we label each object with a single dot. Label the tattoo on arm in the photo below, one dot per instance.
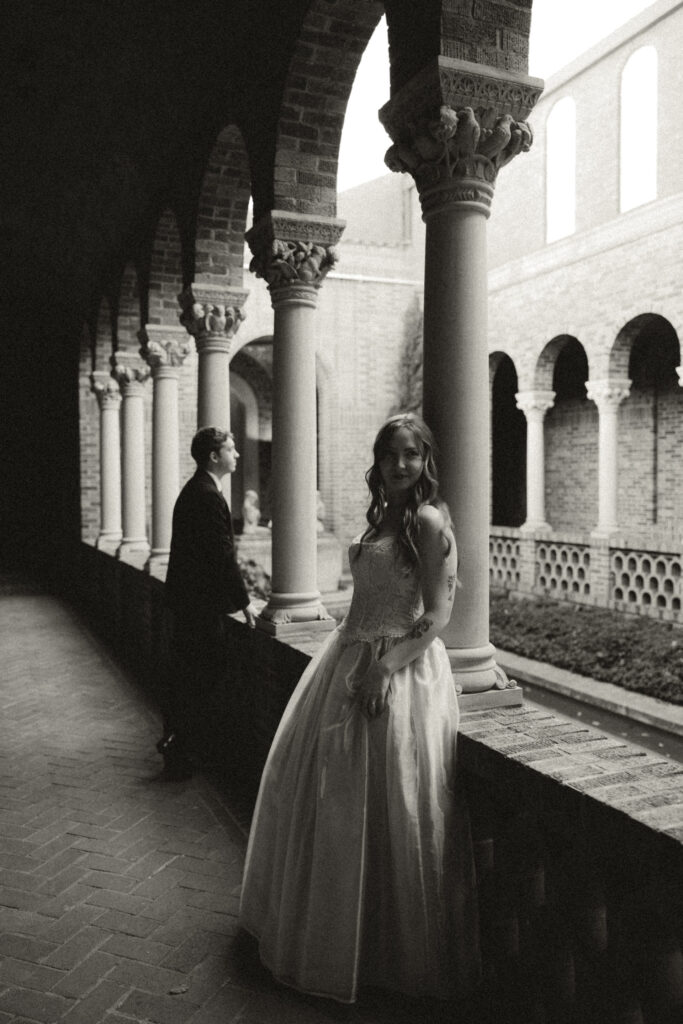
(420, 628)
(451, 585)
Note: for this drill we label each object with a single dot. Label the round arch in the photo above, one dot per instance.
(508, 444)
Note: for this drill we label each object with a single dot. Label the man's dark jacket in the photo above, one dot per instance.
(203, 579)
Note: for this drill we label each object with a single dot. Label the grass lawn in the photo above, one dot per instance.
(630, 651)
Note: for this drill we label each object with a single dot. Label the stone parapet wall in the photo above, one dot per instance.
(578, 836)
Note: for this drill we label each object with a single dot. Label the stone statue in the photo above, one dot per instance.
(251, 513)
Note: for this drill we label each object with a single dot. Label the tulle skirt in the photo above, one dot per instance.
(359, 867)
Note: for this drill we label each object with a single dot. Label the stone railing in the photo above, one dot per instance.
(635, 575)
(578, 836)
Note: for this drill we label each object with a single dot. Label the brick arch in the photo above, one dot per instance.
(545, 369)
(128, 320)
(220, 219)
(163, 277)
(104, 335)
(643, 325)
(321, 72)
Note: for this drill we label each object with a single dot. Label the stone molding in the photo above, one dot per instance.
(459, 83)
(105, 389)
(535, 404)
(293, 249)
(210, 310)
(164, 347)
(453, 127)
(608, 394)
(129, 370)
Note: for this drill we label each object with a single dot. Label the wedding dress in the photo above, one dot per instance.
(358, 868)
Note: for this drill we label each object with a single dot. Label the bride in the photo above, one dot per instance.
(358, 868)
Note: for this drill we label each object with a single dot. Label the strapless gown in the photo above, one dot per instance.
(359, 868)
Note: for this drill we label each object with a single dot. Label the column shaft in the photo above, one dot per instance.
(456, 403)
(110, 473)
(608, 396)
(535, 404)
(165, 460)
(134, 540)
(294, 452)
(213, 385)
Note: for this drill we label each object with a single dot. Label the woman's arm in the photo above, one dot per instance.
(438, 590)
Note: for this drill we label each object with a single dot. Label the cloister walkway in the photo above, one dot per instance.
(119, 891)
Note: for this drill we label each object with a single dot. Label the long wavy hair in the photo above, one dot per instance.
(425, 491)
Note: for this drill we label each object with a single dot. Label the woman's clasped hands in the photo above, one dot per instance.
(372, 690)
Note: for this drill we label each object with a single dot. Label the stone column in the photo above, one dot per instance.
(131, 375)
(293, 253)
(534, 405)
(164, 349)
(453, 127)
(212, 314)
(607, 395)
(109, 400)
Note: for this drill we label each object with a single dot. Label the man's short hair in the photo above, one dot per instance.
(205, 441)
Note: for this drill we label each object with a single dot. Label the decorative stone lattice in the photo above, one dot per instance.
(646, 582)
(504, 556)
(563, 570)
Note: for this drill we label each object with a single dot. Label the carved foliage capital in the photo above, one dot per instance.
(293, 249)
(164, 346)
(458, 148)
(535, 404)
(210, 310)
(128, 369)
(105, 389)
(608, 394)
(454, 121)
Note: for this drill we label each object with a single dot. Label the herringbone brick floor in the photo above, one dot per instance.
(118, 892)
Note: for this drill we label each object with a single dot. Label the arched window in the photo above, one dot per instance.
(560, 170)
(638, 156)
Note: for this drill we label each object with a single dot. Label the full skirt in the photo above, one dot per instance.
(359, 867)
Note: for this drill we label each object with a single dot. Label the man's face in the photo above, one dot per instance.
(225, 459)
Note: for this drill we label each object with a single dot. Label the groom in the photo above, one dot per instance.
(203, 585)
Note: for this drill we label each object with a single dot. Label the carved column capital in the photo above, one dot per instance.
(212, 312)
(105, 389)
(294, 251)
(130, 372)
(164, 347)
(453, 127)
(535, 404)
(608, 394)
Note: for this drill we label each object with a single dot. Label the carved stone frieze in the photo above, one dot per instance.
(459, 83)
(164, 346)
(105, 389)
(293, 249)
(210, 310)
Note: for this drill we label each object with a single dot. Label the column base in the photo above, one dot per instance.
(481, 682)
(108, 542)
(290, 613)
(133, 552)
(157, 564)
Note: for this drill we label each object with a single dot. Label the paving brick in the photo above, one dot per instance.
(92, 1006)
(25, 948)
(22, 974)
(89, 973)
(41, 1006)
(76, 948)
(160, 1009)
(144, 950)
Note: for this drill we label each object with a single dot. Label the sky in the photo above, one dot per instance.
(559, 32)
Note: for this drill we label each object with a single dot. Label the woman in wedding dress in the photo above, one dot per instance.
(359, 869)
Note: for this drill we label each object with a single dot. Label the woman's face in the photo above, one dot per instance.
(401, 464)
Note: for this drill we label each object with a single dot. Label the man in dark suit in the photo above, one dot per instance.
(203, 585)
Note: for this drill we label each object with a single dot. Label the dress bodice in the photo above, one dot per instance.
(387, 597)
